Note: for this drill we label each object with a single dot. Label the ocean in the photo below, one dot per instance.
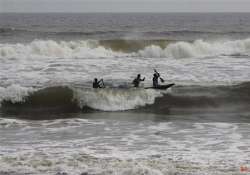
(52, 121)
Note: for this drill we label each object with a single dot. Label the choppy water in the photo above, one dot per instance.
(53, 122)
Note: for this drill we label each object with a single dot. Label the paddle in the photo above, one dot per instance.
(162, 80)
(103, 85)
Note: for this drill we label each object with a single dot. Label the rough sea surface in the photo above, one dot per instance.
(53, 122)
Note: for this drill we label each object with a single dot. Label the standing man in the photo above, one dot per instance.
(155, 79)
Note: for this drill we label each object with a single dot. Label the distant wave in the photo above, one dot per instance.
(198, 48)
(185, 31)
(10, 30)
(130, 45)
(60, 99)
(16, 30)
(124, 48)
(104, 32)
(53, 49)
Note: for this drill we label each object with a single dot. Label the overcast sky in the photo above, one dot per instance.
(85, 6)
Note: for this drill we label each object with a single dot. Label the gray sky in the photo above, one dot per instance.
(85, 6)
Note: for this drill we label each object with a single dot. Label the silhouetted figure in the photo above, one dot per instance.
(97, 84)
(155, 79)
(137, 80)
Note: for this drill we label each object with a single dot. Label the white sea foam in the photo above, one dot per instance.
(53, 49)
(7, 122)
(108, 99)
(204, 148)
(14, 93)
(47, 63)
(198, 48)
(92, 49)
(115, 99)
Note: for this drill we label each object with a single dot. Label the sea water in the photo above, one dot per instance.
(53, 122)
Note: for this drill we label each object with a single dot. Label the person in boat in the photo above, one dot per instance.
(137, 80)
(98, 84)
(156, 76)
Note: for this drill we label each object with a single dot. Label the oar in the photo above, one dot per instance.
(162, 80)
(103, 83)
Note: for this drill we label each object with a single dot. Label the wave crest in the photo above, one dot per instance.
(123, 48)
(115, 99)
(198, 48)
(70, 99)
(61, 99)
(54, 49)
(14, 93)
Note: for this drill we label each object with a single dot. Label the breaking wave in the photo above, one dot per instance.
(115, 99)
(53, 49)
(14, 93)
(124, 48)
(198, 48)
(63, 99)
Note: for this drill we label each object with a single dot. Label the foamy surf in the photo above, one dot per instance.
(97, 49)
(113, 147)
(52, 121)
(54, 49)
(48, 63)
(108, 99)
(15, 93)
(116, 99)
(198, 48)
(179, 100)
